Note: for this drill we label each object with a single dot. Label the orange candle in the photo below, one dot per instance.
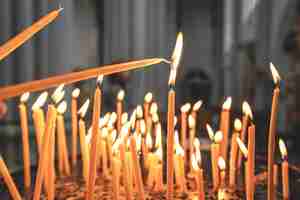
(284, 170)
(119, 109)
(103, 146)
(147, 102)
(224, 126)
(116, 167)
(192, 133)
(183, 129)
(179, 165)
(25, 140)
(159, 171)
(222, 167)
(12, 188)
(195, 110)
(251, 160)
(272, 132)
(275, 168)
(126, 178)
(74, 117)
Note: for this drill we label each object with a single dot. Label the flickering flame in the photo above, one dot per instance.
(155, 118)
(247, 110)
(149, 141)
(185, 108)
(153, 108)
(82, 111)
(197, 105)
(218, 137)
(76, 93)
(148, 97)
(58, 93)
(40, 101)
(104, 132)
(177, 51)
(62, 107)
(139, 111)
(194, 162)
(242, 147)
(275, 74)
(124, 118)
(283, 149)
(192, 122)
(221, 164)
(24, 98)
(227, 104)
(143, 126)
(159, 153)
(237, 125)
(172, 77)
(121, 95)
(210, 132)
(100, 80)
(158, 141)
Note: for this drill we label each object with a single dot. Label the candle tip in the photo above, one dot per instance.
(58, 93)
(24, 97)
(191, 121)
(227, 104)
(247, 110)
(242, 147)
(40, 101)
(221, 164)
(62, 107)
(153, 108)
(83, 109)
(218, 137)
(76, 93)
(237, 125)
(100, 80)
(121, 95)
(148, 97)
(185, 108)
(282, 148)
(210, 132)
(60, 8)
(275, 74)
(197, 105)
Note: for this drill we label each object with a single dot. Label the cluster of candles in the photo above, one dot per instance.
(128, 148)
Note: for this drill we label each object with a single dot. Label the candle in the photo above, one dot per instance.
(147, 102)
(179, 165)
(29, 32)
(94, 141)
(159, 171)
(119, 108)
(51, 167)
(247, 115)
(222, 167)
(74, 118)
(39, 120)
(116, 167)
(25, 140)
(58, 94)
(12, 188)
(275, 168)
(171, 113)
(183, 129)
(158, 139)
(233, 153)
(224, 126)
(195, 110)
(139, 117)
(192, 133)
(272, 131)
(284, 170)
(104, 134)
(124, 118)
(126, 178)
(251, 159)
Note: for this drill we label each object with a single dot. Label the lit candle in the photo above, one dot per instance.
(25, 140)
(119, 109)
(284, 170)
(171, 113)
(124, 118)
(116, 168)
(74, 117)
(272, 131)
(222, 167)
(159, 171)
(39, 119)
(158, 139)
(233, 153)
(251, 159)
(195, 110)
(12, 188)
(275, 168)
(192, 133)
(147, 102)
(104, 134)
(183, 129)
(179, 165)
(94, 141)
(224, 126)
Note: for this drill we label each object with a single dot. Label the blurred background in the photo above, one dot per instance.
(228, 46)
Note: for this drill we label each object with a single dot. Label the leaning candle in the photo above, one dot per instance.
(224, 126)
(244, 151)
(25, 35)
(284, 170)
(25, 140)
(159, 171)
(74, 117)
(183, 129)
(272, 131)
(119, 109)
(12, 188)
(251, 159)
(171, 113)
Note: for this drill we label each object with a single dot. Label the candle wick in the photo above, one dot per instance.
(60, 8)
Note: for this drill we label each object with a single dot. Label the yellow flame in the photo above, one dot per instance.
(149, 141)
(192, 122)
(143, 126)
(124, 118)
(237, 124)
(153, 108)
(121, 95)
(218, 137)
(172, 77)
(227, 104)
(282, 148)
(210, 132)
(185, 108)
(155, 118)
(139, 111)
(242, 147)
(275, 74)
(194, 162)
(82, 111)
(177, 51)
(197, 105)
(40, 101)
(76, 93)
(221, 164)
(247, 110)
(62, 107)
(148, 97)
(25, 96)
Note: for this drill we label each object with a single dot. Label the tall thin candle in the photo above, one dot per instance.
(74, 117)
(284, 170)
(119, 109)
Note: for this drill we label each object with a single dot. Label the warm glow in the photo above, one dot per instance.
(124, 118)
(82, 111)
(148, 97)
(24, 98)
(62, 107)
(40, 101)
(247, 110)
(185, 108)
(227, 104)
(218, 137)
(139, 112)
(197, 150)
(149, 141)
(113, 135)
(138, 140)
(210, 132)
(197, 105)
(75, 93)
(104, 120)
(275, 74)
(133, 119)
(158, 142)
(172, 76)
(179, 150)
(121, 95)
(177, 51)
(242, 147)
(283, 149)
(143, 126)
(104, 133)
(176, 138)
(58, 93)
(125, 130)
(100, 79)
(112, 119)
(194, 162)
(155, 118)
(116, 146)
(192, 122)
(153, 108)
(221, 164)
(159, 153)
(237, 125)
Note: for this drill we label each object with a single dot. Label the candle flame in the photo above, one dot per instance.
(197, 105)
(275, 74)
(125, 130)
(194, 162)
(100, 80)
(40, 101)
(124, 118)
(62, 107)
(242, 147)
(148, 97)
(210, 132)
(104, 120)
(218, 137)
(185, 108)
(121, 95)
(76, 93)
(149, 141)
(227, 104)
(153, 108)
(172, 77)
(139, 111)
(283, 149)
(197, 150)
(221, 164)
(247, 110)
(143, 126)
(58, 93)
(192, 122)
(237, 125)
(24, 97)
(177, 51)
(158, 142)
(104, 133)
(133, 119)
(155, 118)
(82, 111)
(175, 121)
(159, 153)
